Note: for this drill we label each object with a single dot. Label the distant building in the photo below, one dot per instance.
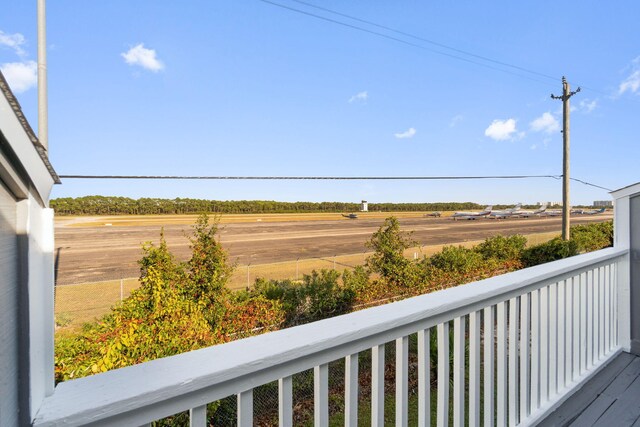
(550, 203)
(603, 203)
(364, 207)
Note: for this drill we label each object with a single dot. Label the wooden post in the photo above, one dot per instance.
(566, 203)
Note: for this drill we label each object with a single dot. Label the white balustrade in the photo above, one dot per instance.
(531, 337)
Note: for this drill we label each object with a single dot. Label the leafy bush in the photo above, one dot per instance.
(502, 248)
(388, 259)
(319, 296)
(552, 250)
(592, 237)
(456, 259)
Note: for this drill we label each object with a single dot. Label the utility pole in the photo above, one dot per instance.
(43, 126)
(566, 208)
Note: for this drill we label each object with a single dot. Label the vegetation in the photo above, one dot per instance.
(185, 306)
(106, 205)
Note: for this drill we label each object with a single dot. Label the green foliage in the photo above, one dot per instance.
(456, 259)
(388, 259)
(319, 296)
(208, 270)
(178, 308)
(552, 250)
(502, 248)
(592, 237)
(109, 205)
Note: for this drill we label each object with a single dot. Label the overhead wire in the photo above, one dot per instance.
(422, 39)
(303, 178)
(399, 40)
(435, 43)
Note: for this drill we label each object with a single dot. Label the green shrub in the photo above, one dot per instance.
(502, 248)
(552, 250)
(319, 296)
(592, 237)
(456, 259)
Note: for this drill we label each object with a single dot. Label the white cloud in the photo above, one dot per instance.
(533, 147)
(545, 123)
(409, 133)
(13, 41)
(588, 106)
(359, 97)
(455, 120)
(632, 82)
(21, 76)
(145, 58)
(502, 130)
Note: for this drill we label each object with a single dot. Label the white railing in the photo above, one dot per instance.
(521, 343)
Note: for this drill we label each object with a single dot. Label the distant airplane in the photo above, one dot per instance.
(594, 211)
(472, 215)
(537, 212)
(434, 214)
(507, 212)
(351, 216)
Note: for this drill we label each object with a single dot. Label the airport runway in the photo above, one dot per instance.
(95, 253)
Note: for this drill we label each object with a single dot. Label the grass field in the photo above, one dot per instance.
(79, 303)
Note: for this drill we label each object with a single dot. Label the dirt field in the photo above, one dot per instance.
(91, 249)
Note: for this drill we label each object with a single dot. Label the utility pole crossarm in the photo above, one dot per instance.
(566, 95)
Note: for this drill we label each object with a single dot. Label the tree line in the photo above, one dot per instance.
(113, 205)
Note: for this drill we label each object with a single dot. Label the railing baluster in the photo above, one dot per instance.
(501, 356)
(575, 365)
(524, 356)
(443, 375)
(285, 402)
(561, 306)
(245, 409)
(583, 322)
(458, 371)
(377, 386)
(402, 381)
(535, 350)
(607, 309)
(616, 340)
(474, 368)
(553, 339)
(544, 345)
(513, 361)
(590, 316)
(488, 364)
(198, 416)
(569, 331)
(321, 395)
(424, 378)
(596, 315)
(601, 314)
(351, 390)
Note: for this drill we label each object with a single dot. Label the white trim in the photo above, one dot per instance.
(139, 394)
(24, 149)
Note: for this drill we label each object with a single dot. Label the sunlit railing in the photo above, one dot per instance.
(520, 343)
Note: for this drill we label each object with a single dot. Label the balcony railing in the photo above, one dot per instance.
(522, 343)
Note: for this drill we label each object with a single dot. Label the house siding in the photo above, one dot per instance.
(9, 302)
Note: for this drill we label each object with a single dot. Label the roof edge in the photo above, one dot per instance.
(15, 105)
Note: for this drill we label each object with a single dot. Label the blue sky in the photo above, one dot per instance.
(247, 88)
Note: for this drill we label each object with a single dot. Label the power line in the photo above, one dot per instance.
(590, 184)
(306, 178)
(413, 36)
(386, 36)
(324, 178)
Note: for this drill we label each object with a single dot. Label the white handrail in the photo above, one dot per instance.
(138, 394)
